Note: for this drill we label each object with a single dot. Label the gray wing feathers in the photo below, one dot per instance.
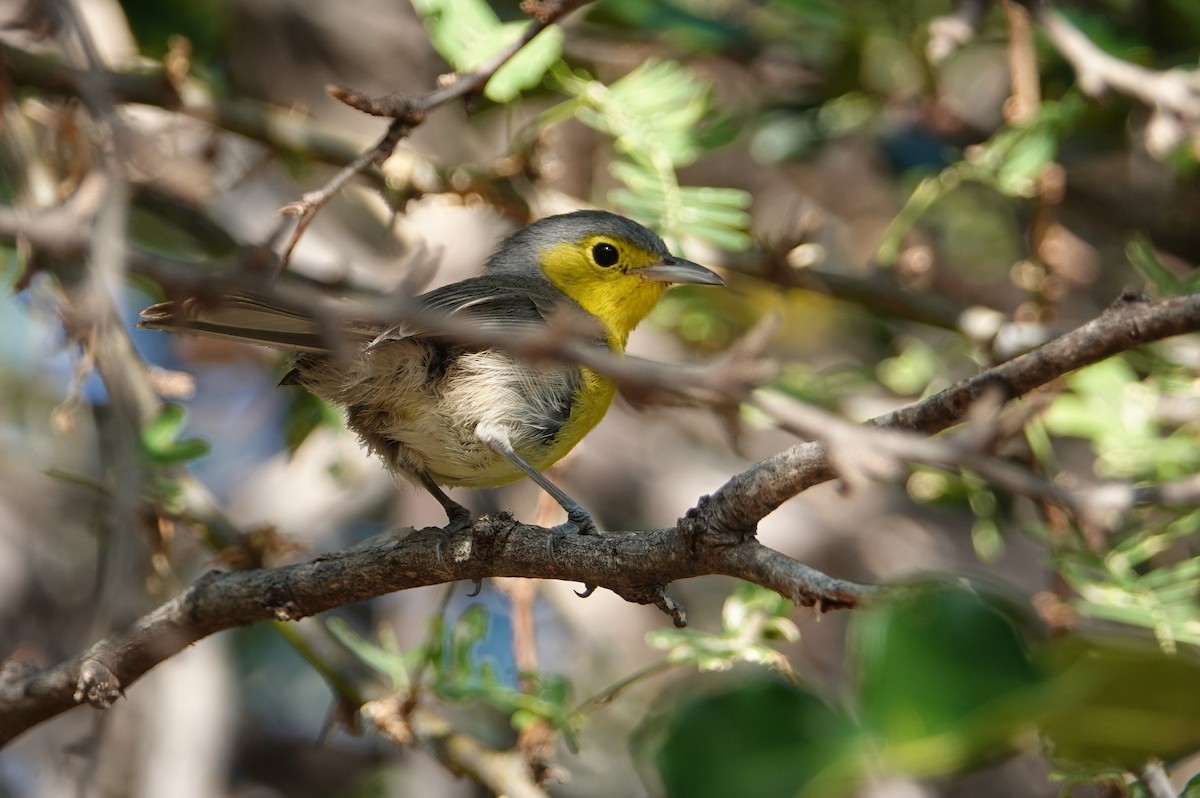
(241, 318)
(492, 303)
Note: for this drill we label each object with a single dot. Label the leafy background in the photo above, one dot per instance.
(865, 193)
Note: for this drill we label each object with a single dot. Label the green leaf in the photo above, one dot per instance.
(467, 33)
(944, 677)
(911, 371)
(1122, 704)
(161, 442)
(386, 658)
(763, 739)
(528, 68)
(1141, 255)
(1029, 156)
(1192, 788)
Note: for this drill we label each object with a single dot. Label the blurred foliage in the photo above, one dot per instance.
(944, 676)
(450, 666)
(162, 440)
(1115, 409)
(467, 33)
(752, 617)
(1010, 163)
(206, 24)
(660, 117)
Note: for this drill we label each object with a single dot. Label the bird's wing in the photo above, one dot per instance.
(239, 317)
(491, 303)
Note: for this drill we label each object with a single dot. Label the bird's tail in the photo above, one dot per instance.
(240, 317)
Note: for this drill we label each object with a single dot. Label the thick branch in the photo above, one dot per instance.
(636, 565)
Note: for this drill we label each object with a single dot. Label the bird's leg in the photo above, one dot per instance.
(459, 516)
(578, 519)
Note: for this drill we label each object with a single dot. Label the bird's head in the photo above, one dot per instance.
(616, 269)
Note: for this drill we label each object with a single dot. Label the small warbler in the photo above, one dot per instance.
(440, 412)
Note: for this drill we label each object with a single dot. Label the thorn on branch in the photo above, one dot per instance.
(398, 106)
(671, 608)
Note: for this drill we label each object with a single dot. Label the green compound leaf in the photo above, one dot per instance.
(661, 118)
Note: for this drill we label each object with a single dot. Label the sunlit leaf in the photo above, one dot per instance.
(467, 33)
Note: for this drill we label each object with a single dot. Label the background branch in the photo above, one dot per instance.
(1133, 320)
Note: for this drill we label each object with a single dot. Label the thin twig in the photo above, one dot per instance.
(502, 772)
(1098, 72)
(407, 112)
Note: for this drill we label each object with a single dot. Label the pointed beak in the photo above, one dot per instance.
(677, 270)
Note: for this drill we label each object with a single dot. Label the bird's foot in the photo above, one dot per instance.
(458, 522)
(578, 522)
(459, 519)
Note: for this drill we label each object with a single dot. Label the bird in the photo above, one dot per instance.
(444, 413)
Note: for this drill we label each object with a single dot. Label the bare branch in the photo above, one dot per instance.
(952, 31)
(1098, 72)
(737, 507)
(1173, 95)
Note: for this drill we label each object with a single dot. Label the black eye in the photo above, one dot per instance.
(605, 254)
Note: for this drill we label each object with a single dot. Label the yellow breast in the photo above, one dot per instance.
(591, 403)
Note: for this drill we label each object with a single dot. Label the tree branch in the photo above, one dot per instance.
(636, 565)
(1172, 95)
(737, 507)
(506, 773)
(715, 537)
